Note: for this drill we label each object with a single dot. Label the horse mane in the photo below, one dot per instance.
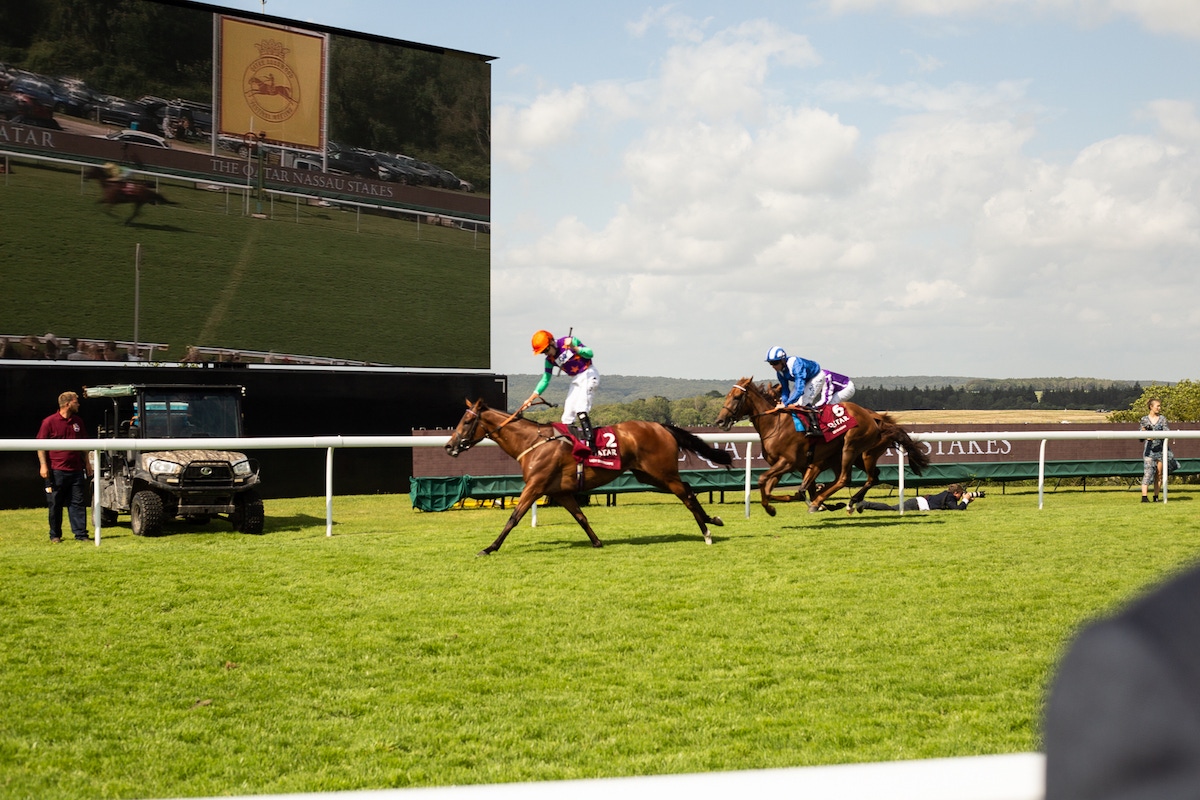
(765, 390)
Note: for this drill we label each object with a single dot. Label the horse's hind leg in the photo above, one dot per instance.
(869, 465)
(677, 487)
(569, 502)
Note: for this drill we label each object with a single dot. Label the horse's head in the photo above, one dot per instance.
(737, 404)
(468, 432)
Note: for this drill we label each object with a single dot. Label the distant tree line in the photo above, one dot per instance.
(1181, 403)
(999, 397)
(688, 412)
(1182, 399)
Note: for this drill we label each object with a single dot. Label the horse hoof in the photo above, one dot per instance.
(598, 544)
(707, 539)
(483, 553)
(770, 510)
(717, 521)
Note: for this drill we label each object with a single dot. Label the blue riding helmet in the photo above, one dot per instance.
(776, 354)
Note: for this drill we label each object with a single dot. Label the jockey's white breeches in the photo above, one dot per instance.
(580, 395)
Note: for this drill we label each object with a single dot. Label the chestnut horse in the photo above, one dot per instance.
(787, 449)
(649, 450)
(117, 192)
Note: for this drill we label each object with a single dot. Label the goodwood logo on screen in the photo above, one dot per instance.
(271, 87)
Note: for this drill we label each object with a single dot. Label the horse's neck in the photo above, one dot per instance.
(514, 437)
(766, 423)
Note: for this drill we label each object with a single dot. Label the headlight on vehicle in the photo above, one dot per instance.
(242, 468)
(160, 467)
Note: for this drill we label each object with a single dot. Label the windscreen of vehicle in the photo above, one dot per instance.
(190, 415)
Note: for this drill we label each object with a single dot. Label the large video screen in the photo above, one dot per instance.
(229, 186)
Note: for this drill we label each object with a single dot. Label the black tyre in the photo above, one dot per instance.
(108, 516)
(249, 516)
(146, 514)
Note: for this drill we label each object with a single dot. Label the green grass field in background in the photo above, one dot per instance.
(334, 284)
(206, 662)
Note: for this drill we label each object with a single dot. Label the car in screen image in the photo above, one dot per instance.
(126, 113)
(135, 137)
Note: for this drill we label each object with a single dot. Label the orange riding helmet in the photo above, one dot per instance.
(542, 340)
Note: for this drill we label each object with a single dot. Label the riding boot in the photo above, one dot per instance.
(585, 427)
(813, 418)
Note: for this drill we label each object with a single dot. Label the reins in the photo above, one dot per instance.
(477, 417)
(759, 413)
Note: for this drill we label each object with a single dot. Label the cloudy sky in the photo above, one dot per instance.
(992, 188)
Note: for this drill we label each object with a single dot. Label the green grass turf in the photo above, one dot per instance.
(206, 662)
(332, 284)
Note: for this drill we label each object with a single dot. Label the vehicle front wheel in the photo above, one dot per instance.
(146, 514)
(248, 516)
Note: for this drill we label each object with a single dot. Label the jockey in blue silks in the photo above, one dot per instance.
(804, 383)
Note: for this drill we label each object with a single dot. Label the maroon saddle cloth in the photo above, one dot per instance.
(835, 421)
(607, 454)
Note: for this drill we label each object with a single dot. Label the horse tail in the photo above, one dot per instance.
(693, 443)
(918, 459)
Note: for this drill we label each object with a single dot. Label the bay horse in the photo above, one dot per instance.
(118, 192)
(787, 449)
(647, 449)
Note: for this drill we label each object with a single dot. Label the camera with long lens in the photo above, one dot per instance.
(979, 493)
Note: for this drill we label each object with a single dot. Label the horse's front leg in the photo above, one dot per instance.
(569, 502)
(809, 482)
(767, 483)
(528, 497)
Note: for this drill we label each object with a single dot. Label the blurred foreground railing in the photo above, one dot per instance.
(1019, 776)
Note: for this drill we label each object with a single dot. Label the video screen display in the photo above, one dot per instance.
(227, 186)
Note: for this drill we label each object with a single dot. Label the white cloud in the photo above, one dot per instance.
(550, 119)
(1170, 17)
(724, 75)
(923, 63)
(1177, 119)
(752, 217)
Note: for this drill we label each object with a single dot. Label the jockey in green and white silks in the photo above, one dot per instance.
(570, 356)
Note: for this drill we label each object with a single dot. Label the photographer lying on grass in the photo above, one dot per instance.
(955, 498)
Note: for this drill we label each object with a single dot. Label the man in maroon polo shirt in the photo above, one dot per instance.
(65, 471)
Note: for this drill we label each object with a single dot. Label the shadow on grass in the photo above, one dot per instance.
(885, 519)
(582, 543)
(882, 519)
(155, 226)
(296, 522)
(219, 525)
